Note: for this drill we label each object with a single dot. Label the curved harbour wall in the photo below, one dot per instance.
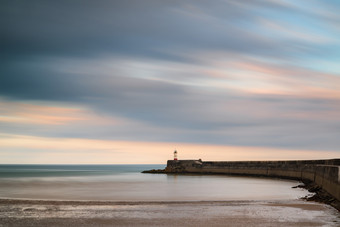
(324, 173)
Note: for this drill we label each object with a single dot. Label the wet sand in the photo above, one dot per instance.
(205, 213)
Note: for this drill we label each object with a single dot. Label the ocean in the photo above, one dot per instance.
(127, 183)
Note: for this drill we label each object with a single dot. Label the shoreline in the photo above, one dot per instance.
(13, 201)
(166, 213)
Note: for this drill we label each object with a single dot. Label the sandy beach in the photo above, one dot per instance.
(205, 213)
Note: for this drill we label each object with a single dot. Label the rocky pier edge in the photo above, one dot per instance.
(155, 171)
(319, 194)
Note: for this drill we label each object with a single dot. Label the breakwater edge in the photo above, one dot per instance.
(321, 177)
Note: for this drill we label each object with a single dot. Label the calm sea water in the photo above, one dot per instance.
(126, 183)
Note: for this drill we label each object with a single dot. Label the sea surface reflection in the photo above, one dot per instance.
(126, 183)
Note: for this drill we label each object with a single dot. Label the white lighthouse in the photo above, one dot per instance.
(175, 155)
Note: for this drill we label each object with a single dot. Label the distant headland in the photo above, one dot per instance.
(319, 176)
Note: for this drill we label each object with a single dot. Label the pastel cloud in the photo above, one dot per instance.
(284, 80)
(18, 112)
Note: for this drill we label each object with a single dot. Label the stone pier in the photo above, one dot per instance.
(324, 173)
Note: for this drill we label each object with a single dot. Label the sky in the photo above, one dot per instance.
(130, 81)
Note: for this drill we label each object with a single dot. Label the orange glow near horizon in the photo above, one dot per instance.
(39, 150)
(44, 114)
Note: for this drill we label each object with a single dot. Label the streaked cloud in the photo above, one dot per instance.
(252, 73)
(18, 112)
